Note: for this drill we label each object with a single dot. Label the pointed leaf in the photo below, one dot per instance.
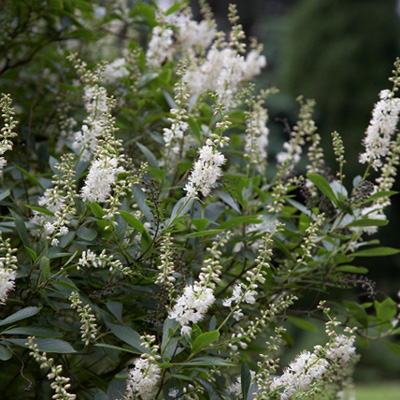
(21, 314)
(204, 340)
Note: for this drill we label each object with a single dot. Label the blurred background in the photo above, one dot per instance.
(340, 53)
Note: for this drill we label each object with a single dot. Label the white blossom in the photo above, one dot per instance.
(192, 305)
(257, 136)
(306, 368)
(102, 174)
(116, 70)
(382, 126)
(143, 379)
(85, 140)
(206, 171)
(342, 348)
(222, 71)
(160, 46)
(7, 283)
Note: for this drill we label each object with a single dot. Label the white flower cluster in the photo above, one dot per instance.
(382, 126)
(160, 46)
(196, 299)
(177, 130)
(59, 200)
(341, 349)
(308, 367)
(7, 131)
(90, 259)
(206, 171)
(60, 383)
(240, 293)
(102, 175)
(96, 105)
(257, 136)
(291, 155)
(192, 306)
(8, 267)
(144, 377)
(223, 71)
(88, 319)
(115, 71)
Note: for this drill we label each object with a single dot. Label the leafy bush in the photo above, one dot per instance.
(143, 247)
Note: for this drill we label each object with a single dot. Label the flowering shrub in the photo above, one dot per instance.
(150, 254)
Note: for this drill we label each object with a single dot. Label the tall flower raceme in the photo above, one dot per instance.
(8, 268)
(321, 373)
(107, 162)
(144, 377)
(381, 129)
(87, 318)
(304, 128)
(208, 167)
(60, 384)
(7, 131)
(225, 67)
(96, 104)
(257, 133)
(174, 137)
(59, 201)
(160, 47)
(196, 299)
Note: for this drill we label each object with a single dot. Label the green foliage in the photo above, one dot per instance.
(142, 251)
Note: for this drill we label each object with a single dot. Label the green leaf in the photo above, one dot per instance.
(128, 335)
(97, 210)
(126, 350)
(180, 209)
(44, 269)
(140, 198)
(379, 195)
(376, 252)
(363, 343)
(65, 284)
(4, 194)
(323, 185)
(48, 345)
(5, 354)
(157, 173)
(86, 233)
(21, 229)
(32, 253)
(149, 155)
(200, 223)
(204, 340)
(302, 323)
(26, 312)
(393, 347)
(368, 222)
(211, 232)
(207, 361)
(33, 331)
(40, 210)
(352, 269)
(385, 311)
(231, 223)
(357, 312)
(228, 199)
(132, 221)
(31, 177)
(245, 380)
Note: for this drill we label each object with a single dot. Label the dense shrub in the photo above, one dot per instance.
(144, 254)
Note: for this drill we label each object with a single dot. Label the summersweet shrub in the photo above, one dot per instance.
(151, 258)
